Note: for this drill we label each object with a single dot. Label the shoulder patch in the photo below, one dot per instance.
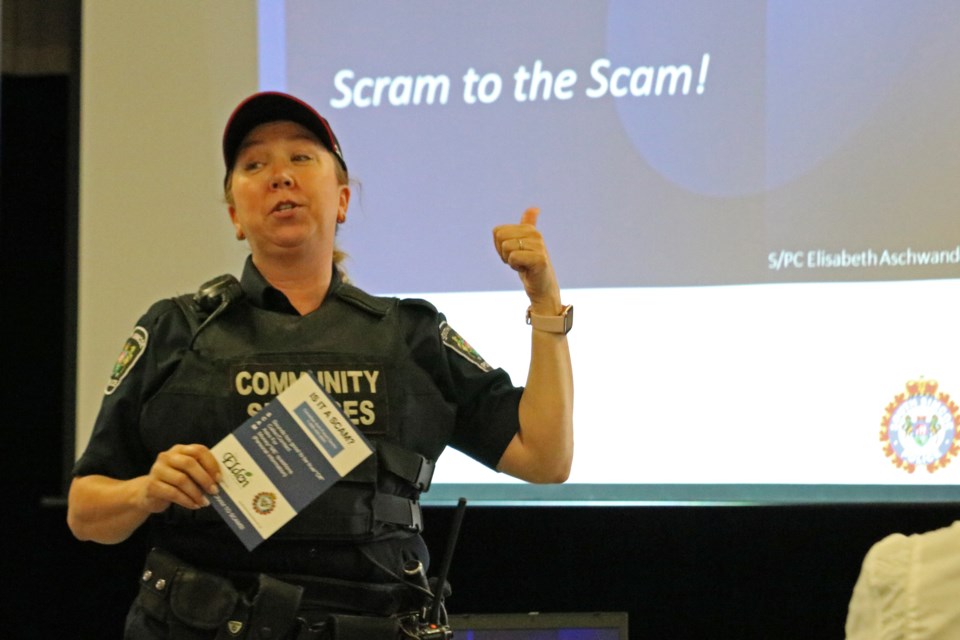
(454, 341)
(133, 348)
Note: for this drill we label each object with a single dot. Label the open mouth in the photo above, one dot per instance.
(285, 206)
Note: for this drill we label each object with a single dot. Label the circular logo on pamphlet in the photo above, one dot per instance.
(919, 428)
(264, 502)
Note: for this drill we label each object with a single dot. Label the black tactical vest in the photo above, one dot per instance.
(241, 356)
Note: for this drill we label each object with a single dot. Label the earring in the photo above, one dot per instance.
(241, 235)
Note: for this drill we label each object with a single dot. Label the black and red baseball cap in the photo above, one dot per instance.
(270, 106)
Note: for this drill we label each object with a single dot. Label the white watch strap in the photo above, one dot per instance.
(552, 324)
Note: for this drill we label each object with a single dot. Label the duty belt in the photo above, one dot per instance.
(183, 596)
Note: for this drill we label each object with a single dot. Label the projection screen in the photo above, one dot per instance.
(753, 206)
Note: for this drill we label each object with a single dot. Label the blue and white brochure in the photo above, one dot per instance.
(279, 461)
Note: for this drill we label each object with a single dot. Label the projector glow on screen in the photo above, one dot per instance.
(755, 215)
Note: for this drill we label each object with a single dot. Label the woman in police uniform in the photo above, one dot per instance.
(409, 382)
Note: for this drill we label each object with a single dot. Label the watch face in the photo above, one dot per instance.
(567, 318)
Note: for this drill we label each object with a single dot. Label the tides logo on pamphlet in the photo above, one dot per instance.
(919, 427)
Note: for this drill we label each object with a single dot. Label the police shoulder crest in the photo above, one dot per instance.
(132, 349)
(455, 342)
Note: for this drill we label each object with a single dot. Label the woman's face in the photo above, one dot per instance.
(285, 192)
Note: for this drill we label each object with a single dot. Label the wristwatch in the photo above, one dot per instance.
(552, 324)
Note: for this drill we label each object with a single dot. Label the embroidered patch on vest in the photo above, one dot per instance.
(133, 348)
(455, 341)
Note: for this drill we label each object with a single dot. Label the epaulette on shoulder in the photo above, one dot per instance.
(419, 302)
(359, 298)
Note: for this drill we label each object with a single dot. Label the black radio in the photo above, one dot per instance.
(431, 623)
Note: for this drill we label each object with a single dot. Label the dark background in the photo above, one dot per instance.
(680, 572)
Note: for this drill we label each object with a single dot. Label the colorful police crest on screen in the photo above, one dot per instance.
(919, 428)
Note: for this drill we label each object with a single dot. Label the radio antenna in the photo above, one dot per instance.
(447, 560)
